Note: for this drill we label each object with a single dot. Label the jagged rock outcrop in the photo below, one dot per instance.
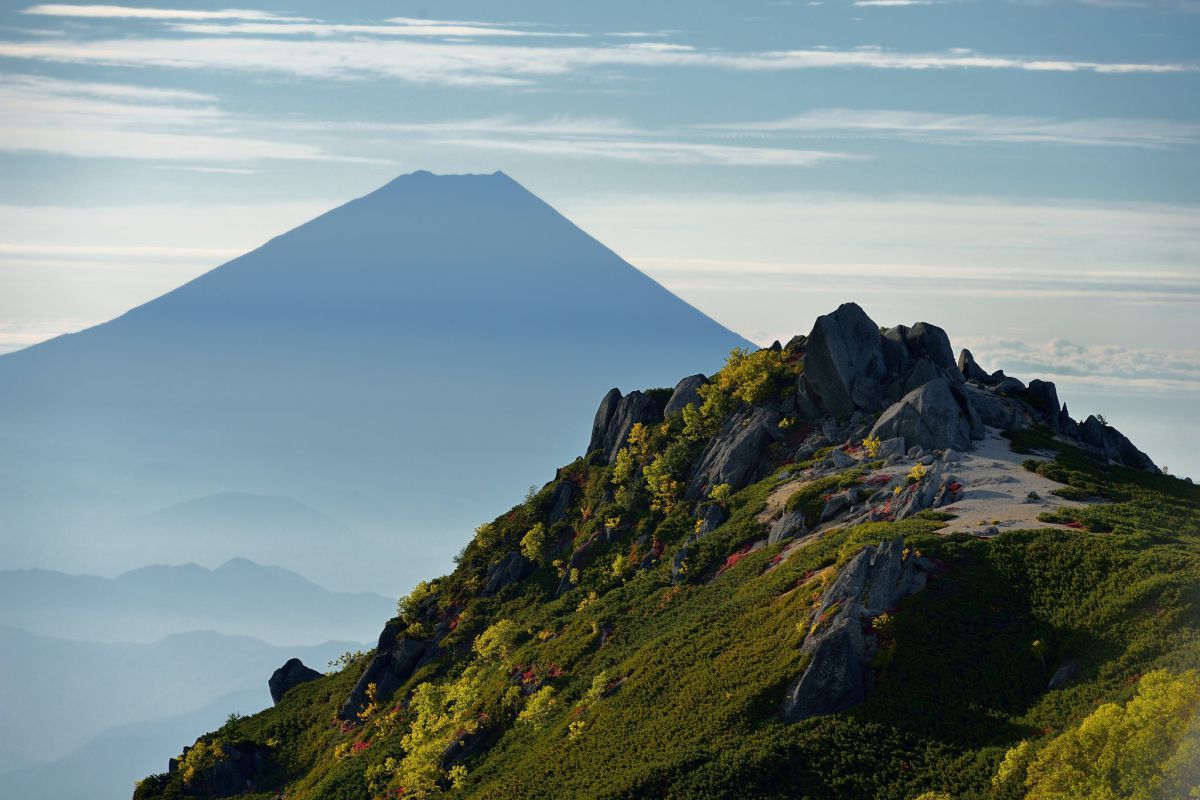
(560, 501)
(510, 570)
(734, 455)
(969, 369)
(843, 350)
(687, 391)
(838, 674)
(291, 674)
(616, 417)
(396, 658)
(931, 416)
(604, 414)
(235, 772)
(1110, 443)
(790, 525)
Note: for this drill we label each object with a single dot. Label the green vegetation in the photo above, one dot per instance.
(598, 676)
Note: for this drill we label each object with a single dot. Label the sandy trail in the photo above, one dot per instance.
(995, 487)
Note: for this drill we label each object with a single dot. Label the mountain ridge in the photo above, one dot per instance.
(851, 565)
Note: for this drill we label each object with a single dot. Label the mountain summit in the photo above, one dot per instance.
(400, 363)
(848, 566)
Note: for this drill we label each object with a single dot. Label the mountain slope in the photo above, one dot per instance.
(144, 605)
(780, 583)
(432, 325)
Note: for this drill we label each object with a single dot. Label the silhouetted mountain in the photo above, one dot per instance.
(402, 363)
(58, 694)
(238, 597)
(103, 768)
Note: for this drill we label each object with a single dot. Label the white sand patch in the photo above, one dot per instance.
(995, 487)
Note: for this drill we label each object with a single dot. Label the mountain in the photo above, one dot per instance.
(239, 597)
(851, 566)
(103, 768)
(59, 694)
(265, 528)
(440, 326)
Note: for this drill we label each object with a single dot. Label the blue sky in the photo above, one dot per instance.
(1023, 173)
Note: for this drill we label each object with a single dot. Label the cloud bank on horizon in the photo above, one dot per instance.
(1027, 172)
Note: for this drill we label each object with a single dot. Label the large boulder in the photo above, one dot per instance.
(931, 342)
(604, 414)
(510, 570)
(633, 408)
(844, 348)
(292, 673)
(687, 392)
(1043, 396)
(931, 416)
(560, 501)
(734, 455)
(396, 658)
(235, 771)
(838, 673)
(970, 370)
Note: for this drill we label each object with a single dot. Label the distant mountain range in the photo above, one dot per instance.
(59, 694)
(239, 597)
(403, 363)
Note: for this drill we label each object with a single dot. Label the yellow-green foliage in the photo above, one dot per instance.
(598, 687)
(623, 467)
(871, 445)
(534, 542)
(664, 488)
(538, 708)
(406, 609)
(916, 473)
(202, 756)
(750, 376)
(1146, 749)
(439, 712)
(720, 494)
(498, 641)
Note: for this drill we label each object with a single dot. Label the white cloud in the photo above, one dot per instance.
(492, 64)
(413, 29)
(1103, 366)
(961, 128)
(128, 12)
(655, 152)
(103, 120)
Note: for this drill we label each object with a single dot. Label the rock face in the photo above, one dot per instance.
(603, 415)
(560, 501)
(687, 391)
(843, 349)
(292, 673)
(734, 455)
(235, 773)
(616, 418)
(510, 570)
(930, 416)
(838, 674)
(395, 659)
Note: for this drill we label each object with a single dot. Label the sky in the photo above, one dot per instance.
(1022, 173)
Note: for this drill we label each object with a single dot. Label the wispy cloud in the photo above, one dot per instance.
(657, 152)
(1103, 366)
(961, 128)
(495, 64)
(129, 12)
(411, 28)
(104, 120)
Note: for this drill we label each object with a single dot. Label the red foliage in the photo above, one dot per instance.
(358, 747)
(1075, 524)
(955, 487)
(734, 559)
(878, 480)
